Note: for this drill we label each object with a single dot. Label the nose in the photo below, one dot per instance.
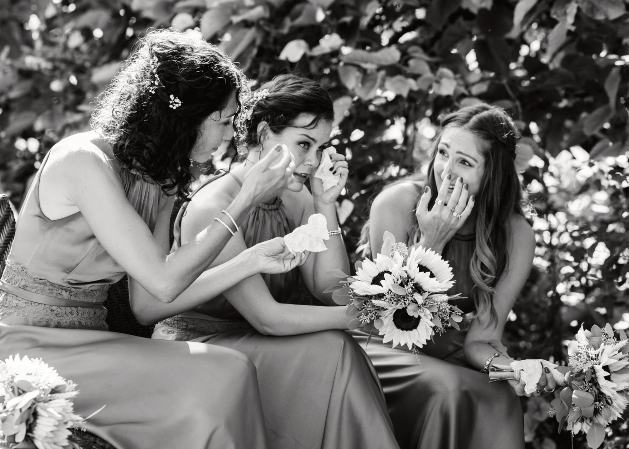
(447, 169)
(229, 132)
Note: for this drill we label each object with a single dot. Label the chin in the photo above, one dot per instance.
(295, 186)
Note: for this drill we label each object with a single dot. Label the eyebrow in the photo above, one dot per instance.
(463, 153)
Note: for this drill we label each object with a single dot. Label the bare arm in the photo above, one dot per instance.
(316, 270)
(251, 296)
(483, 338)
(87, 181)
(390, 211)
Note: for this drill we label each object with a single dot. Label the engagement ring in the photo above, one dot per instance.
(438, 202)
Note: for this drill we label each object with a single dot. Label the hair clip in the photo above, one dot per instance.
(174, 102)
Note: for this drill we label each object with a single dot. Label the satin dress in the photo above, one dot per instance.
(157, 394)
(439, 401)
(318, 390)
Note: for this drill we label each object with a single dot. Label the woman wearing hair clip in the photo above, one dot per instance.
(318, 389)
(471, 211)
(98, 209)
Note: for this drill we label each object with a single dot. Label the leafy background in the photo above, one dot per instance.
(393, 67)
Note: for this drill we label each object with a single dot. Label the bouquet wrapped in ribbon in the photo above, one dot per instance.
(595, 387)
(402, 294)
(36, 409)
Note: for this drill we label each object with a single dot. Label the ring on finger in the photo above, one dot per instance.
(438, 202)
(457, 215)
(548, 390)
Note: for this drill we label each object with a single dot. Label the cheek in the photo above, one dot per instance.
(294, 186)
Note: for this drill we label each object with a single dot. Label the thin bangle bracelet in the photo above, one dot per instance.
(231, 218)
(226, 227)
(335, 232)
(488, 362)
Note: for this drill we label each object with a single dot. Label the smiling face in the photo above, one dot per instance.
(459, 154)
(304, 142)
(215, 130)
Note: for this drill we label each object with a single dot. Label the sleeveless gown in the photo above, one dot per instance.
(318, 390)
(157, 394)
(441, 402)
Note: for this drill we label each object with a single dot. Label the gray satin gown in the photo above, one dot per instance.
(157, 394)
(441, 402)
(318, 390)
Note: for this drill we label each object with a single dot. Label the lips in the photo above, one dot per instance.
(301, 177)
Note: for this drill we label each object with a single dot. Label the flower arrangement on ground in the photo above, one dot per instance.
(36, 409)
(401, 293)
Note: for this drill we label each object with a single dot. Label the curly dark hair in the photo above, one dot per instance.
(135, 115)
(288, 96)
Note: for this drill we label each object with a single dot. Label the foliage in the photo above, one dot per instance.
(393, 67)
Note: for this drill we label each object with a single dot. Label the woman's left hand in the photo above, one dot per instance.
(340, 168)
(273, 257)
(550, 379)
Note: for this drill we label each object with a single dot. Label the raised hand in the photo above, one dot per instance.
(269, 176)
(329, 196)
(274, 257)
(438, 225)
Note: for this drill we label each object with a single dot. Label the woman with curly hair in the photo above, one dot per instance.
(330, 397)
(98, 209)
(470, 210)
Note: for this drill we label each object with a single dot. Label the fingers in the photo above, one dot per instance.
(559, 378)
(422, 206)
(443, 189)
(551, 384)
(460, 206)
(468, 209)
(456, 194)
(272, 156)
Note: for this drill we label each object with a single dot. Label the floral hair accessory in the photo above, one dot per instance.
(174, 102)
(155, 82)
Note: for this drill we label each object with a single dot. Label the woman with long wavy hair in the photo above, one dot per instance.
(98, 209)
(471, 210)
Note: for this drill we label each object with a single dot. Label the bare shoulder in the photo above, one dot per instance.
(78, 155)
(521, 231)
(398, 199)
(208, 202)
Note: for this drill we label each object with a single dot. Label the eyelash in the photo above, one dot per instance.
(305, 145)
(443, 153)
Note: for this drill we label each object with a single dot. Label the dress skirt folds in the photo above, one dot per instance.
(443, 404)
(318, 390)
(157, 394)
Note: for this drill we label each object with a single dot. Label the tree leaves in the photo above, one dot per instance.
(595, 435)
(596, 119)
(215, 19)
(602, 9)
(294, 50)
(370, 60)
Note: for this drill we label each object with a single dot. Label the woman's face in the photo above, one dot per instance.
(459, 154)
(216, 130)
(305, 144)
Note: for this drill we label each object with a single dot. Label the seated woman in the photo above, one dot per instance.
(99, 208)
(477, 222)
(318, 389)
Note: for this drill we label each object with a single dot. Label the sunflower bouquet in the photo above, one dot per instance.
(401, 293)
(597, 383)
(36, 409)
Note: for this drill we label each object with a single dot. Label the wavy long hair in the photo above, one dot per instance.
(499, 198)
(135, 115)
(288, 97)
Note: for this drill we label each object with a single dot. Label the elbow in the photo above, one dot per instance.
(165, 292)
(268, 328)
(143, 315)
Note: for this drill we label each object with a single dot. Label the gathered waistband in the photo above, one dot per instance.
(27, 300)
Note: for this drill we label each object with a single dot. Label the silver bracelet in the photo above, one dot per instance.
(231, 218)
(488, 362)
(335, 232)
(226, 227)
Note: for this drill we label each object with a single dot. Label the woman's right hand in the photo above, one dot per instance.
(269, 176)
(274, 257)
(438, 225)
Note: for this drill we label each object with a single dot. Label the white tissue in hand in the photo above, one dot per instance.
(309, 237)
(323, 172)
(531, 372)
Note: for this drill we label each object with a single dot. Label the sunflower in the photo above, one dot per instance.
(404, 328)
(430, 272)
(369, 278)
